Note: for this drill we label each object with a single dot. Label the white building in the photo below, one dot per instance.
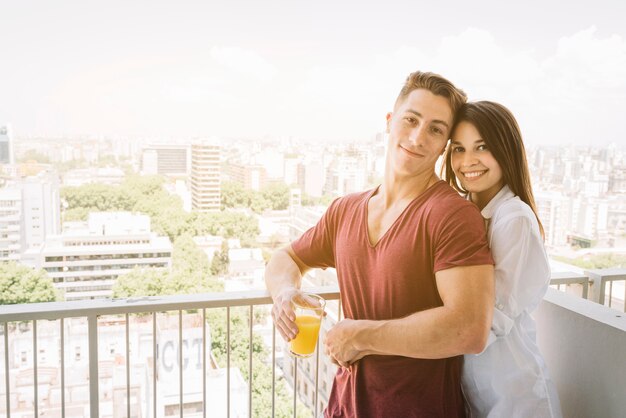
(205, 176)
(10, 224)
(303, 218)
(86, 259)
(290, 171)
(29, 212)
(6, 144)
(554, 210)
(311, 177)
(347, 174)
(592, 216)
(41, 207)
(81, 176)
(163, 159)
(246, 268)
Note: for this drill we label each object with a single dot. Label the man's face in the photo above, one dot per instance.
(419, 128)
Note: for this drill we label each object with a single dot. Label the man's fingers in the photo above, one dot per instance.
(286, 327)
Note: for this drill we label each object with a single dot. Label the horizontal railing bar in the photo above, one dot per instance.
(567, 275)
(569, 280)
(56, 310)
(610, 273)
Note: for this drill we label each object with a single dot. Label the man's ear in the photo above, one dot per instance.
(388, 117)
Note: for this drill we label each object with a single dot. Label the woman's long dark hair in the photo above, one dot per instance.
(501, 133)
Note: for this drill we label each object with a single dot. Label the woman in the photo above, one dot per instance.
(486, 161)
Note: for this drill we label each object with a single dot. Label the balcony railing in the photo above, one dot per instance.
(92, 310)
(598, 284)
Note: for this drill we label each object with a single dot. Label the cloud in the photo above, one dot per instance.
(244, 62)
(589, 60)
(583, 79)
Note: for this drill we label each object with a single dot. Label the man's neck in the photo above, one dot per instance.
(396, 189)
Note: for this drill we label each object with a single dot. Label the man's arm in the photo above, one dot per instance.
(460, 326)
(283, 276)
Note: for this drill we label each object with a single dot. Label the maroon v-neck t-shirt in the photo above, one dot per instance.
(392, 279)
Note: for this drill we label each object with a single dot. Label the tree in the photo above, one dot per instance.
(191, 273)
(596, 261)
(261, 371)
(21, 284)
(33, 155)
(278, 194)
(221, 261)
(225, 224)
(140, 282)
(234, 195)
(324, 200)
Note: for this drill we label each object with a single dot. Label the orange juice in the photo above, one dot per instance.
(304, 343)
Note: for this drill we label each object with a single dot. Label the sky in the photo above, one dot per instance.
(325, 70)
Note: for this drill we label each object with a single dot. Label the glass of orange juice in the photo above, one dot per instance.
(309, 309)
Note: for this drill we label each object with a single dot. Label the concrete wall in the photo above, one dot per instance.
(584, 345)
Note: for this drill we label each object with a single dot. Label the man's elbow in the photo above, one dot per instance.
(476, 337)
(476, 345)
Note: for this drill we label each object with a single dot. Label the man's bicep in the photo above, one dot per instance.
(469, 288)
(301, 264)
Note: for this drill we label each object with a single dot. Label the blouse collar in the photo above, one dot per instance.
(504, 194)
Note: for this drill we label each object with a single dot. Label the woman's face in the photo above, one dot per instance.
(473, 164)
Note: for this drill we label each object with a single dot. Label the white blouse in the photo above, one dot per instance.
(509, 378)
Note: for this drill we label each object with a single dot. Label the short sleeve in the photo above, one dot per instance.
(316, 247)
(461, 240)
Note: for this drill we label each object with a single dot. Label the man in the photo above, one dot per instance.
(415, 273)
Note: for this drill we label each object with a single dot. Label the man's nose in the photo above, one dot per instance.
(417, 135)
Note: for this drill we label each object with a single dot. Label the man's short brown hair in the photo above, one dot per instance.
(436, 84)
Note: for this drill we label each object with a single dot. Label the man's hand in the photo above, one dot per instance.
(340, 343)
(283, 314)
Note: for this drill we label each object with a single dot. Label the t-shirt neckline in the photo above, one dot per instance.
(395, 222)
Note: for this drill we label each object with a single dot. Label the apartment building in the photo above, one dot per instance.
(205, 176)
(85, 261)
(164, 159)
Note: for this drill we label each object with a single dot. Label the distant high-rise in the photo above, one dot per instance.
(29, 212)
(10, 224)
(41, 207)
(554, 210)
(170, 160)
(6, 145)
(205, 176)
(251, 177)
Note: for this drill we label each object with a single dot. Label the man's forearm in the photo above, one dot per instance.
(282, 272)
(434, 333)
(460, 326)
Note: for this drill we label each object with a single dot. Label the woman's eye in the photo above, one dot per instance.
(482, 147)
(457, 149)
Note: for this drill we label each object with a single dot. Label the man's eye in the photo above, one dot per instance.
(437, 131)
(410, 120)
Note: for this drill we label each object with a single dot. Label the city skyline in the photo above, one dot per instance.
(325, 71)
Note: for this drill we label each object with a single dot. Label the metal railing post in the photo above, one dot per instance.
(94, 396)
(7, 370)
(597, 285)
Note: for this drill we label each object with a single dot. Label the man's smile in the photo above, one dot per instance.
(411, 153)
